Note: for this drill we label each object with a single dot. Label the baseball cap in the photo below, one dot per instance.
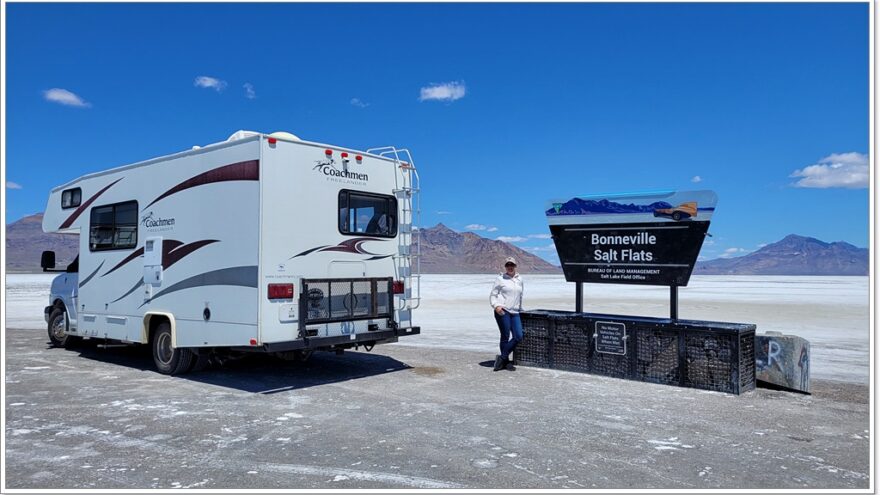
(510, 259)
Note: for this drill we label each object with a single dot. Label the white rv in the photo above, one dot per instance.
(258, 243)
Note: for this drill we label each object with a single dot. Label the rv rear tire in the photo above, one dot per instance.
(169, 360)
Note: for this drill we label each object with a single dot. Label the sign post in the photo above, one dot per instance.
(641, 238)
(673, 302)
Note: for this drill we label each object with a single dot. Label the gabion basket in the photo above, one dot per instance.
(707, 355)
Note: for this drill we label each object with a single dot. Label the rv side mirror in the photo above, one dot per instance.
(47, 260)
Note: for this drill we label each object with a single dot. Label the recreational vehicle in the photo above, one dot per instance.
(262, 242)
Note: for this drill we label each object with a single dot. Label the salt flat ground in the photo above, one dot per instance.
(831, 312)
(401, 417)
(429, 412)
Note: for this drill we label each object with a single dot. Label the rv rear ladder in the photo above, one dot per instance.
(407, 262)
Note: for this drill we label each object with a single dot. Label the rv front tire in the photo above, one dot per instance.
(169, 360)
(58, 329)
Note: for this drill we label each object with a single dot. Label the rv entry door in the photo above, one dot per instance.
(152, 265)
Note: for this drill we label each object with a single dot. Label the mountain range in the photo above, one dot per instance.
(444, 250)
(793, 255)
(25, 240)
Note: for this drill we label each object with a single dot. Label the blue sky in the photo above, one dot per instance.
(504, 106)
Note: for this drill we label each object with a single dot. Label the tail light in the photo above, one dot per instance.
(280, 291)
(397, 286)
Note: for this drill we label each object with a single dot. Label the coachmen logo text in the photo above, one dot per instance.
(328, 168)
(153, 222)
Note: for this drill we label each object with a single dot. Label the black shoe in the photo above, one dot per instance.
(510, 366)
(499, 363)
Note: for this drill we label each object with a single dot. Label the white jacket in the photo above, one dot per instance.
(507, 293)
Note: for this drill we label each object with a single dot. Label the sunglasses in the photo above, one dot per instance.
(510, 265)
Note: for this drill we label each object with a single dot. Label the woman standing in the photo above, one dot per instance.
(506, 300)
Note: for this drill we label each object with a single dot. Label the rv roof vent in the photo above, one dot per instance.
(285, 135)
(242, 134)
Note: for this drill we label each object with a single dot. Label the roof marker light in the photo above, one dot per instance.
(359, 158)
(328, 152)
(344, 155)
(272, 140)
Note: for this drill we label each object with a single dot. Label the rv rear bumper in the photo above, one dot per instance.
(367, 338)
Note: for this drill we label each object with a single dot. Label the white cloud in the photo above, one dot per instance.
(12, 185)
(696, 179)
(210, 82)
(515, 238)
(475, 226)
(729, 252)
(849, 170)
(249, 92)
(762, 245)
(357, 102)
(539, 236)
(450, 91)
(65, 97)
(492, 229)
(443, 212)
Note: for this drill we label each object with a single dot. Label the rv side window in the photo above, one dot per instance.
(367, 214)
(113, 226)
(71, 198)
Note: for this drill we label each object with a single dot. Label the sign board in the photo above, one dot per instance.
(610, 337)
(641, 238)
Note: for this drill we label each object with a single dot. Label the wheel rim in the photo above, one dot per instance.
(58, 330)
(164, 351)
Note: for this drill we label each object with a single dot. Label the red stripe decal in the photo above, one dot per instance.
(73, 216)
(137, 252)
(249, 170)
(172, 256)
(172, 252)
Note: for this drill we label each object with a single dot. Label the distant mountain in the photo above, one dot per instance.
(447, 251)
(25, 241)
(793, 255)
(577, 206)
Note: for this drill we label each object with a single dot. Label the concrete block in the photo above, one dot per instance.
(783, 360)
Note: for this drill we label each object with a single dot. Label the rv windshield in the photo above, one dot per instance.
(367, 214)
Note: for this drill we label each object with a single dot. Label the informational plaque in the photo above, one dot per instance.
(610, 337)
(647, 238)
